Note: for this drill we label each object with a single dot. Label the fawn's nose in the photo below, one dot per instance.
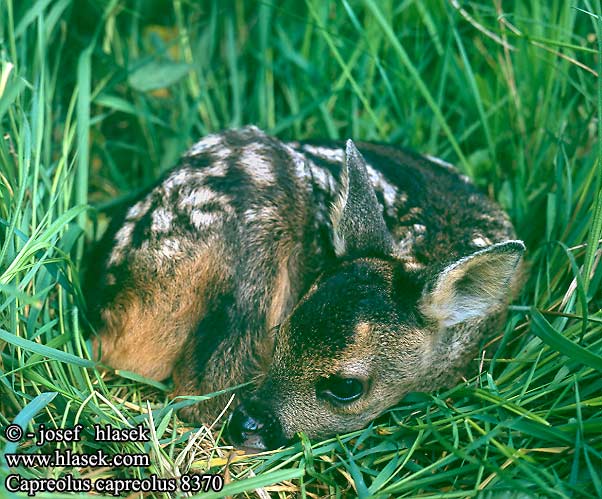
(253, 426)
(244, 423)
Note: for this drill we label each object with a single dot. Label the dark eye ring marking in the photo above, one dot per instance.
(340, 390)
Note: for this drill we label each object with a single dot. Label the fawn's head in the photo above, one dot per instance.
(371, 329)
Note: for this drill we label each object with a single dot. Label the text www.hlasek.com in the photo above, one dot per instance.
(68, 458)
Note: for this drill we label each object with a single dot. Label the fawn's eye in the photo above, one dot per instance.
(340, 390)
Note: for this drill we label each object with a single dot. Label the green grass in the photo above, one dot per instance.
(98, 98)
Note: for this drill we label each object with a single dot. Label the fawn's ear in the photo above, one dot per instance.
(358, 225)
(474, 286)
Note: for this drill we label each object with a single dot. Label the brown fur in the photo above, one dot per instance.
(146, 327)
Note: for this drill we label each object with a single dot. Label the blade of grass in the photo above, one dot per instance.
(595, 231)
(45, 351)
(554, 339)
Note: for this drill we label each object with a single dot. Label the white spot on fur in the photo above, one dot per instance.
(181, 177)
(323, 178)
(256, 165)
(124, 235)
(196, 198)
(481, 241)
(218, 169)
(305, 169)
(329, 154)
(123, 239)
(388, 190)
(202, 219)
(250, 215)
(162, 220)
(137, 211)
(220, 154)
(300, 161)
(301, 166)
(170, 248)
(208, 142)
(258, 215)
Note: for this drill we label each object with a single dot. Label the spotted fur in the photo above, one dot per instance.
(287, 263)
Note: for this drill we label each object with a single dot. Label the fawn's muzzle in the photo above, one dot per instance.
(253, 425)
